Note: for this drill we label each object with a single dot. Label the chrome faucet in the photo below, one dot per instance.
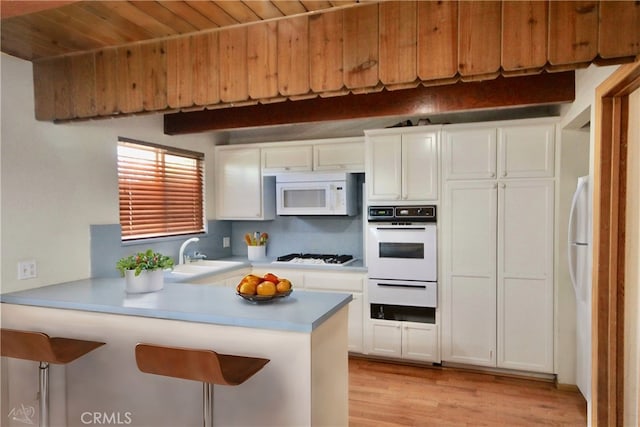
(181, 258)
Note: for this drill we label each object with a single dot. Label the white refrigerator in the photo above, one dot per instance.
(579, 270)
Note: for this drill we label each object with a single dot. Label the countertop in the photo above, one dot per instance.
(299, 312)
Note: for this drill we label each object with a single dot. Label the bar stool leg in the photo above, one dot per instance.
(43, 391)
(207, 405)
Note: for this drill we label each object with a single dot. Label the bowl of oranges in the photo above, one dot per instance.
(262, 289)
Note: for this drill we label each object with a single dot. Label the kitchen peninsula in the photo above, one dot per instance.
(303, 335)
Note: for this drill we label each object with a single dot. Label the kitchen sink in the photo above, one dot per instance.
(204, 267)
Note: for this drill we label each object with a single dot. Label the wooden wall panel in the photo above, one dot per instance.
(129, 79)
(524, 35)
(573, 32)
(361, 47)
(619, 29)
(43, 93)
(205, 62)
(179, 73)
(262, 60)
(398, 42)
(325, 52)
(106, 82)
(293, 56)
(154, 57)
(437, 40)
(233, 64)
(479, 39)
(62, 89)
(83, 85)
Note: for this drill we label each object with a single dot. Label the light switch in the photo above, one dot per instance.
(226, 242)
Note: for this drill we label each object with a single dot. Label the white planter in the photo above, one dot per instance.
(146, 281)
(255, 253)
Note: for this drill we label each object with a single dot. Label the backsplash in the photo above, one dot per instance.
(311, 234)
(287, 234)
(107, 247)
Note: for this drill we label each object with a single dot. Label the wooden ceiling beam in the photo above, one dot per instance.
(503, 92)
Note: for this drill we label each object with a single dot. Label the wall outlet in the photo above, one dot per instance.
(27, 269)
(226, 242)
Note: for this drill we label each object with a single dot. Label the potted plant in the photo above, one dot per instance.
(144, 271)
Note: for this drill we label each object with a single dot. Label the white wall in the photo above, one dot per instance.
(57, 179)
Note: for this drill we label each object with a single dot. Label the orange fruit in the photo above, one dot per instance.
(266, 288)
(283, 285)
(271, 277)
(247, 288)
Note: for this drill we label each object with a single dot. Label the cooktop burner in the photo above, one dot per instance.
(316, 259)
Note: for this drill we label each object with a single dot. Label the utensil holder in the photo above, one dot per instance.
(255, 253)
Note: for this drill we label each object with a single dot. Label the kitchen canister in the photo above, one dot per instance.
(256, 253)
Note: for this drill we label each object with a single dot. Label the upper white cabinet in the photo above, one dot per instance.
(342, 156)
(241, 191)
(469, 153)
(339, 154)
(402, 165)
(287, 158)
(481, 152)
(526, 151)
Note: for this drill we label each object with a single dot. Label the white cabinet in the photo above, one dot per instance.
(338, 154)
(497, 223)
(287, 158)
(329, 281)
(403, 340)
(525, 275)
(402, 166)
(469, 153)
(241, 191)
(517, 151)
(469, 295)
(352, 283)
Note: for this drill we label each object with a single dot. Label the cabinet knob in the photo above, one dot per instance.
(504, 174)
(495, 185)
(503, 185)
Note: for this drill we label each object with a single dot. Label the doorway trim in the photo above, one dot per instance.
(611, 115)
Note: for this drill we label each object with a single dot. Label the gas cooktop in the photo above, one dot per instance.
(316, 259)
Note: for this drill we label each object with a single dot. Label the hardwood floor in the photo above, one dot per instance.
(386, 394)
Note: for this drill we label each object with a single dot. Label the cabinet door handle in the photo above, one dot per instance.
(503, 185)
(492, 175)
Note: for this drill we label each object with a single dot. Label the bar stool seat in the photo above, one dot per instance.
(39, 347)
(205, 366)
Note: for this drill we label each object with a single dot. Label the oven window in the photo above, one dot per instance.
(305, 198)
(401, 250)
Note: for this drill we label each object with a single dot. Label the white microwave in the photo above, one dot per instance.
(316, 194)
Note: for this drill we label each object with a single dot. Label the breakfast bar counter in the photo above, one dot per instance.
(304, 335)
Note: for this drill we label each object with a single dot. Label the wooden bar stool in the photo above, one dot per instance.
(205, 366)
(39, 347)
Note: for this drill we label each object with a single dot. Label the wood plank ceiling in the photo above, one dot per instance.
(107, 58)
(34, 30)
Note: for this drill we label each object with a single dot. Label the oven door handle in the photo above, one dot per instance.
(401, 228)
(389, 285)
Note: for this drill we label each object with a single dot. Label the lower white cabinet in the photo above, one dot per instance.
(404, 340)
(330, 281)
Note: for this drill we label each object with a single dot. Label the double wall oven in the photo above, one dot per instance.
(402, 262)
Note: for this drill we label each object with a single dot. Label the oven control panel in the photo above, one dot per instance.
(423, 213)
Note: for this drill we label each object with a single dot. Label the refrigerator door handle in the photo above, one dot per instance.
(570, 237)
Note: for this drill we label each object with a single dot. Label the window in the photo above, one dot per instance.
(161, 190)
